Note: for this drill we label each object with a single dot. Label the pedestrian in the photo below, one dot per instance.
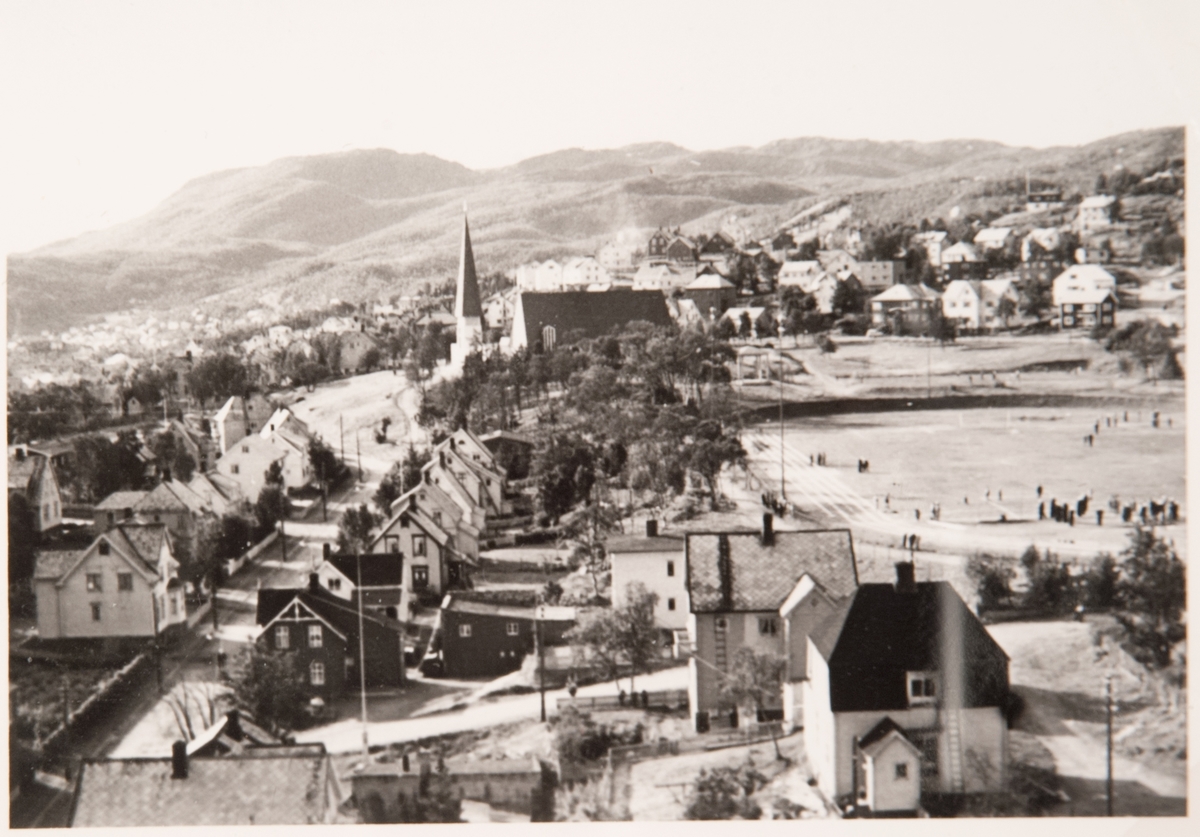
(1126, 416)
(904, 542)
(966, 501)
(988, 494)
(1041, 511)
(1071, 518)
(1000, 495)
(1154, 420)
(916, 541)
(1039, 491)
(1107, 421)
(1097, 428)
(917, 513)
(1099, 517)
(1168, 421)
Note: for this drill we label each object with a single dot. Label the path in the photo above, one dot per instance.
(346, 736)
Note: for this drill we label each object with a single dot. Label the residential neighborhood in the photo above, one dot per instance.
(779, 477)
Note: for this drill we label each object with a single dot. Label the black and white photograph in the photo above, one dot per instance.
(619, 412)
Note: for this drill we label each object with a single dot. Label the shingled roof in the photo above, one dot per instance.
(378, 569)
(593, 314)
(262, 786)
(760, 576)
(884, 632)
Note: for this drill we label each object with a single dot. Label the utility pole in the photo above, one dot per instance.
(342, 437)
(1108, 783)
(282, 514)
(929, 369)
(362, 658)
(541, 649)
(358, 451)
(782, 470)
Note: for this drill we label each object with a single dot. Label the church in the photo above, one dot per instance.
(468, 311)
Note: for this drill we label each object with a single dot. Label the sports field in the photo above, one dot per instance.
(981, 466)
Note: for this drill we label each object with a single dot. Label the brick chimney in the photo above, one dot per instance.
(652, 528)
(314, 582)
(768, 529)
(233, 726)
(906, 577)
(179, 760)
(725, 570)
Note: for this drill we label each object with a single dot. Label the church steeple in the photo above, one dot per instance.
(466, 298)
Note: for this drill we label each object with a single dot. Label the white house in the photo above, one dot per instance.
(581, 271)
(1095, 212)
(933, 241)
(1082, 277)
(795, 274)
(994, 238)
(975, 304)
(657, 561)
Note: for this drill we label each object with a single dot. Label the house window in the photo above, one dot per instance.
(418, 543)
(316, 673)
(95, 611)
(112, 518)
(512, 629)
(902, 770)
(245, 448)
(922, 688)
(670, 604)
(391, 543)
(94, 584)
(670, 568)
(464, 630)
(315, 639)
(437, 518)
(335, 584)
(104, 547)
(124, 581)
(420, 577)
(548, 338)
(174, 605)
(157, 518)
(283, 637)
(234, 469)
(768, 627)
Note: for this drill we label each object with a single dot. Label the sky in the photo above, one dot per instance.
(109, 107)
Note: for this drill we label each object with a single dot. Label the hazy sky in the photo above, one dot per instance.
(109, 107)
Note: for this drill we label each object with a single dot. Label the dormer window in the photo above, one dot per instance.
(922, 688)
(104, 548)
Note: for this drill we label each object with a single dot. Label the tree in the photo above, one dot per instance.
(22, 554)
(218, 376)
(712, 448)
(993, 579)
(1051, 589)
(1036, 299)
(325, 464)
(724, 793)
(271, 687)
(566, 470)
(1006, 309)
(195, 705)
(271, 506)
(103, 466)
(354, 529)
(848, 298)
(625, 635)
(1149, 342)
(755, 680)
(172, 457)
(390, 489)
(1151, 595)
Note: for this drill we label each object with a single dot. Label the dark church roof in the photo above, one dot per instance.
(593, 314)
(378, 569)
(466, 300)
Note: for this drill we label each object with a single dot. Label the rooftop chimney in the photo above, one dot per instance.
(768, 530)
(179, 760)
(325, 550)
(233, 727)
(652, 528)
(20, 453)
(906, 580)
(725, 570)
(314, 582)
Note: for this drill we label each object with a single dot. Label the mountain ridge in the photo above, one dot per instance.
(364, 222)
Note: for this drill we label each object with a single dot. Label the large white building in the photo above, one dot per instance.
(658, 562)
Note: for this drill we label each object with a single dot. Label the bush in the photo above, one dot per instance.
(1051, 591)
(993, 579)
(724, 793)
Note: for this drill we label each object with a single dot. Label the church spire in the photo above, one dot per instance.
(466, 298)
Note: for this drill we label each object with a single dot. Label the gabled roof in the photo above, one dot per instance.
(1084, 296)
(885, 632)
(51, 564)
(24, 471)
(962, 250)
(121, 500)
(144, 539)
(592, 314)
(709, 282)
(261, 786)
(416, 516)
(907, 293)
(378, 569)
(553, 613)
(507, 436)
(1097, 202)
(880, 735)
(761, 577)
(339, 614)
(993, 235)
(173, 495)
(627, 544)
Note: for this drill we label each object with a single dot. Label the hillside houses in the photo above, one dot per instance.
(125, 583)
(976, 305)
(912, 305)
(1095, 212)
(32, 477)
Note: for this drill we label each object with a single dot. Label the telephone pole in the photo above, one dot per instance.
(362, 659)
(1108, 782)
